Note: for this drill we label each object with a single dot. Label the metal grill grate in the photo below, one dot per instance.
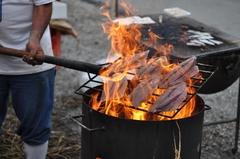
(205, 70)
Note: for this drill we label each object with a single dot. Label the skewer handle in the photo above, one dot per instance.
(72, 64)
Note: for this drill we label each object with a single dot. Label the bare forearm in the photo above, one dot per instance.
(41, 18)
(40, 21)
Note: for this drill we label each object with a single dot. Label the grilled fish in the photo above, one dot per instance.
(170, 99)
(127, 63)
(180, 73)
(114, 89)
(143, 91)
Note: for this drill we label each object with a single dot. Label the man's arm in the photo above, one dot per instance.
(41, 17)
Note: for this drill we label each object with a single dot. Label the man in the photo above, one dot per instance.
(24, 26)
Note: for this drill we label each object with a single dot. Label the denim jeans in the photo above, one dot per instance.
(32, 99)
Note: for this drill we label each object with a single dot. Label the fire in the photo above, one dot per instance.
(126, 44)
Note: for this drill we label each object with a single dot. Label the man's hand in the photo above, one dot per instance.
(34, 48)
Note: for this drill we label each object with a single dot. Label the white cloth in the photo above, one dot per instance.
(14, 33)
(36, 151)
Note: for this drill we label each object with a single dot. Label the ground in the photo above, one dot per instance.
(91, 46)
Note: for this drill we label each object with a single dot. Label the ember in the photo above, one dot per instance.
(135, 80)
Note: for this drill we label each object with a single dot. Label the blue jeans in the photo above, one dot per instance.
(32, 100)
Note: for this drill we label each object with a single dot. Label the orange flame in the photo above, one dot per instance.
(126, 44)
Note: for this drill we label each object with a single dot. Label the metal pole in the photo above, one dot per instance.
(112, 9)
(116, 8)
(234, 150)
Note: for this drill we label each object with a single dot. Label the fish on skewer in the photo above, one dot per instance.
(114, 89)
(143, 90)
(154, 67)
(170, 99)
(127, 63)
(180, 73)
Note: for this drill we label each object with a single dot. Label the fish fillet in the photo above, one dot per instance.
(170, 99)
(114, 89)
(180, 73)
(143, 91)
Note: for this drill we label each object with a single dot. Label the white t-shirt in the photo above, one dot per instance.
(14, 33)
